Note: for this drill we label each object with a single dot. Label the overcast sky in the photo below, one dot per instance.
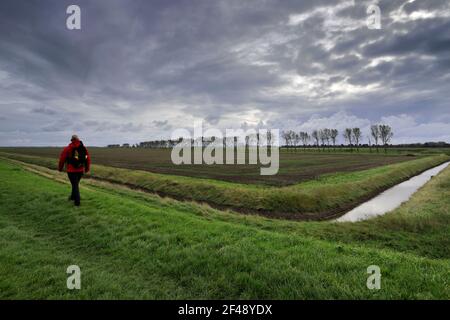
(137, 70)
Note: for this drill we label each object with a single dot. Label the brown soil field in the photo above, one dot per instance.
(295, 166)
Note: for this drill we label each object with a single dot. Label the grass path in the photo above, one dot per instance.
(420, 226)
(134, 245)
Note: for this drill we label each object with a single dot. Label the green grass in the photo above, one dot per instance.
(135, 245)
(321, 198)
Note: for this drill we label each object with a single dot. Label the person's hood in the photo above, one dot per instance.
(75, 144)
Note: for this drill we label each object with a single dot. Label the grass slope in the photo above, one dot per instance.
(321, 198)
(134, 245)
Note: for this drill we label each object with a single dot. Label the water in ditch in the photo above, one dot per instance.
(391, 198)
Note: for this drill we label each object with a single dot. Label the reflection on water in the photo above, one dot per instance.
(391, 198)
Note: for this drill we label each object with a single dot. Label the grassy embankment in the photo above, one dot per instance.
(136, 245)
(324, 197)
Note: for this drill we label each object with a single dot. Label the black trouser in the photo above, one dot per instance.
(75, 178)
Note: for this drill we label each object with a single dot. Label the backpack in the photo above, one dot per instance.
(78, 157)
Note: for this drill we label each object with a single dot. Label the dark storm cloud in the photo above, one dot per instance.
(146, 67)
(417, 40)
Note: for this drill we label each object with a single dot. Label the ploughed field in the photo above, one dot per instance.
(295, 166)
(327, 196)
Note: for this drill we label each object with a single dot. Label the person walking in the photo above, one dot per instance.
(78, 161)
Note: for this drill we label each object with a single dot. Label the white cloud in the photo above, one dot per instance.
(408, 130)
(401, 16)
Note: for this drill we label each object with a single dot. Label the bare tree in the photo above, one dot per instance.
(323, 138)
(386, 134)
(375, 132)
(369, 139)
(289, 136)
(356, 136)
(292, 135)
(327, 133)
(333, 135)
(285, 135)
(269, 138)
(348, 136)
(296, 139)
(315, 136)
(304, 136)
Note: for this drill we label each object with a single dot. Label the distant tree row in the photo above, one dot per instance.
(380, 133)
(204, 141)
(125, 145)
(158, 144)
(430, 144)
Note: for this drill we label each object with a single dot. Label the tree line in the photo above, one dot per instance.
(249, 140)
(380, 135)
(154, 144)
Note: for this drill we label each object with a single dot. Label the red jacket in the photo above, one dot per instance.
(65, 154)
